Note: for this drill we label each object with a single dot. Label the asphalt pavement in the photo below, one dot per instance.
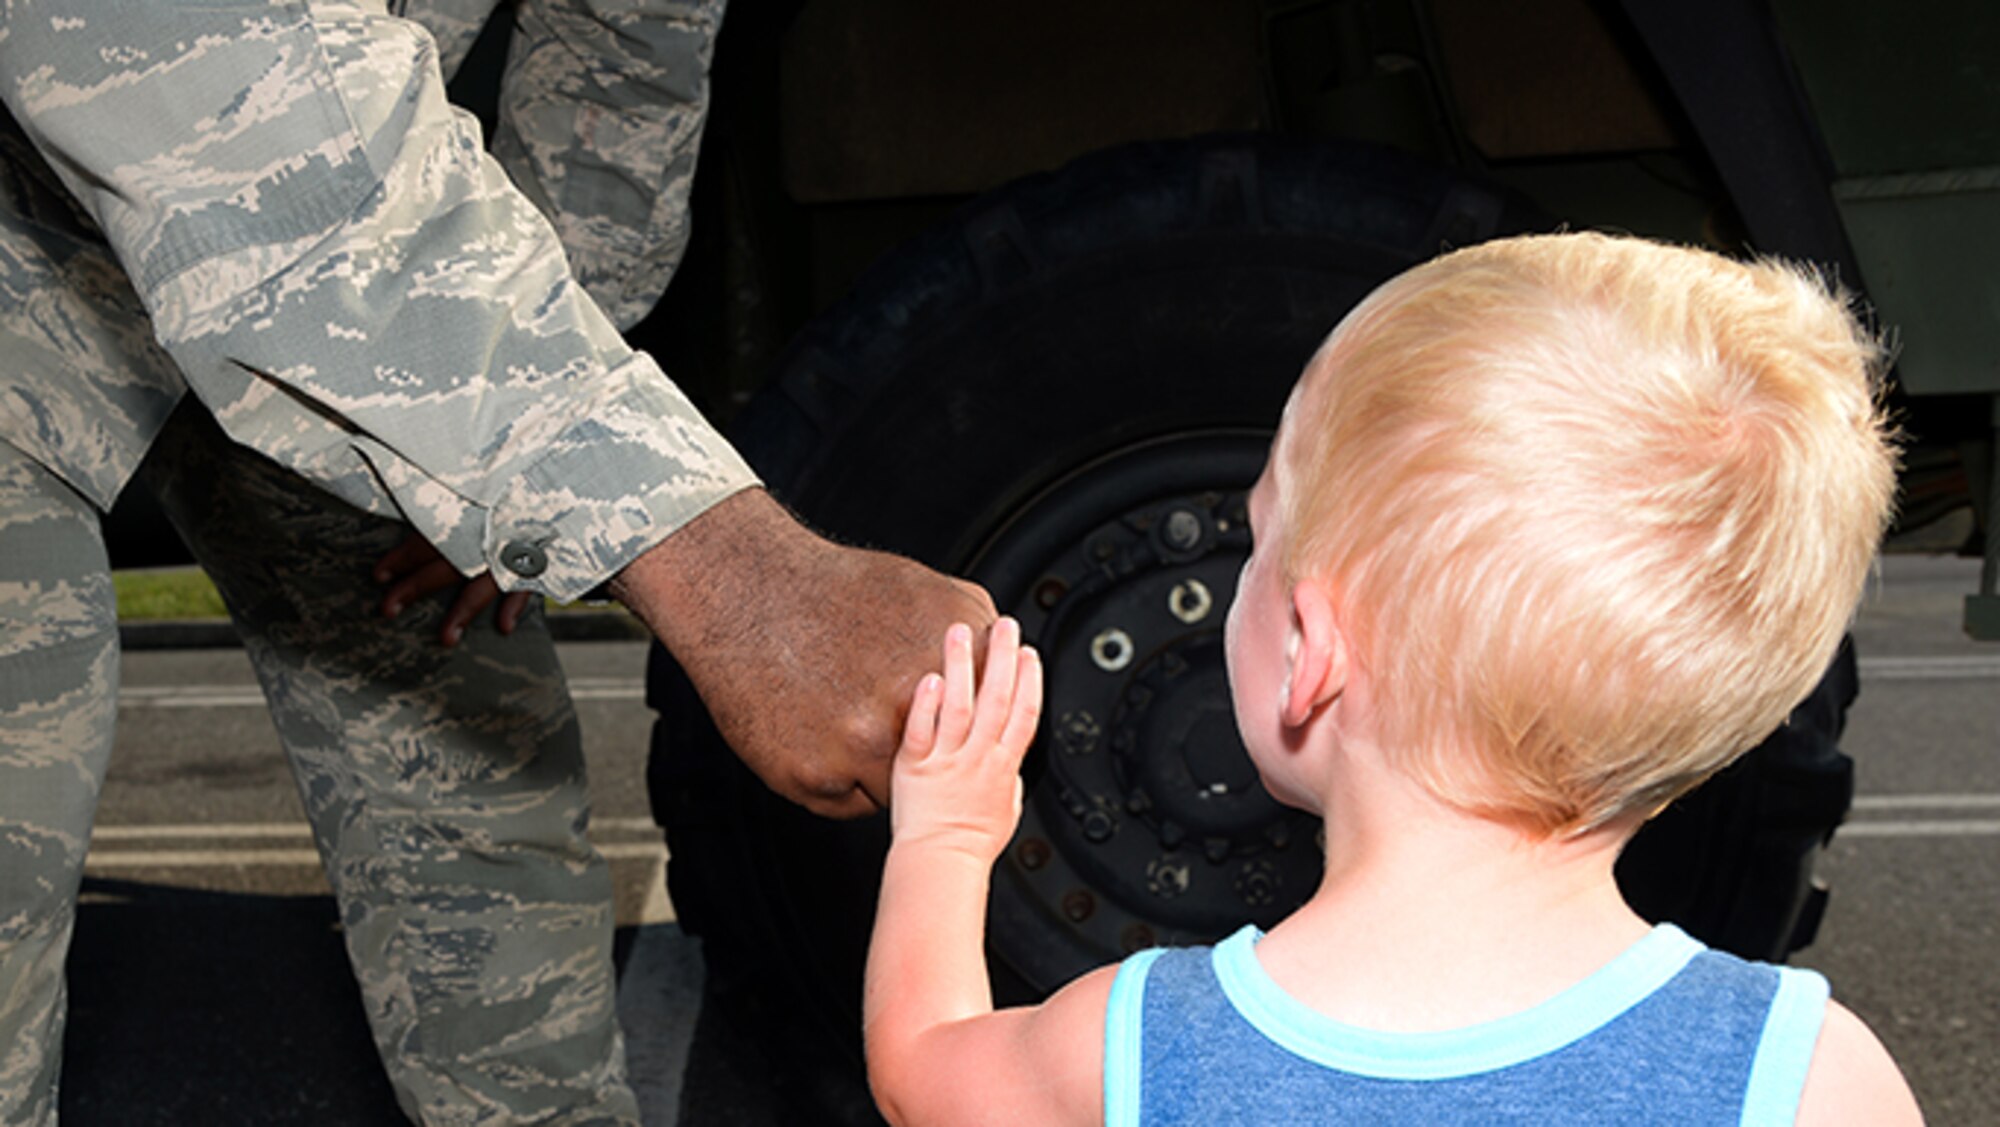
(1911, 940)
(208, 984)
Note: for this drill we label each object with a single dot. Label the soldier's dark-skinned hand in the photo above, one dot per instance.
(805, 652)
(414, 570)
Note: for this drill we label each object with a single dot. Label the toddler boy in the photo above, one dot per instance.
(1553, 529)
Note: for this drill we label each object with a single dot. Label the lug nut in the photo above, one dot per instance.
(1076, 804)
(1112, 650)
(1098, 826)
(1167, 878)
(1257, 884)
(1190, 601)
(1033, 854)
(1182, 531)
(1077, 732)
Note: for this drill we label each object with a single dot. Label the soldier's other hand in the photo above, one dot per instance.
(805, 652)
(414, 570)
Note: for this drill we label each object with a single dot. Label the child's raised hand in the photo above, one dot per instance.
(957, 775)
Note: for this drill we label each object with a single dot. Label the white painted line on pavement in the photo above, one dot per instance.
(1864, 802)
(1957, 667)
(1927, 822)
(199, 858)
(260, 858)
(244, 696)
(646, 825)
(220, 830)
(655, 849)
(607, 688)
(301, 830)
(189, 696)
(1940, 828)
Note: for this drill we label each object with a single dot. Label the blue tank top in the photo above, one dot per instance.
(1668, 1032)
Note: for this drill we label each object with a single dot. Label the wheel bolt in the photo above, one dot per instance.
(1099, 826)
(1050, 592)
(1167, 878)
(1077, 732)
(1257, 885)
(1182, 532)
(1190, 601)
(1112, 650)
(1033, 854)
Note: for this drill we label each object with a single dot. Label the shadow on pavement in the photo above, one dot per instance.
(215, 1008)
(239, 1010)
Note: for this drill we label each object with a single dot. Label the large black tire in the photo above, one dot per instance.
(1064, 391)
(1732, 863)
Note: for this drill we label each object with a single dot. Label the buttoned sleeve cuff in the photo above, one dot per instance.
(620, 473)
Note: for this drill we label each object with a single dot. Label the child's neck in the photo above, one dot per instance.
(1429, 918)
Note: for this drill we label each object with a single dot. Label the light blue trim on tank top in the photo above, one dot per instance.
(1570, 1016)
(1785, 1049)
(1124, 1020)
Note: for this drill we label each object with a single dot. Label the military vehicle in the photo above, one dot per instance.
(1018, 290)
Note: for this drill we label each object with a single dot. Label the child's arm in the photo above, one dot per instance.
(1852, 1078)
(937, 1051)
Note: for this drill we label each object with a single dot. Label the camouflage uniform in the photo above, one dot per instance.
(353, 290)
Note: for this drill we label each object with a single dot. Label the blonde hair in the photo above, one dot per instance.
(1598, 510)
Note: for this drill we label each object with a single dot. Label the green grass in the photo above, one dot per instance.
(175, 593)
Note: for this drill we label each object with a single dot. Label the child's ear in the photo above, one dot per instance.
(1316, 654)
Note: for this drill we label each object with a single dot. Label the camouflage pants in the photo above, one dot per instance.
(445, 788)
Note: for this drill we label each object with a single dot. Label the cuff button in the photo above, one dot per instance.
(523, 559)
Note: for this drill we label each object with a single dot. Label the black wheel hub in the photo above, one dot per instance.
(1145, 822)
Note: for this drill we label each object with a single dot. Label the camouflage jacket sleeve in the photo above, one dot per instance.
(352, 286)
(600, 121)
